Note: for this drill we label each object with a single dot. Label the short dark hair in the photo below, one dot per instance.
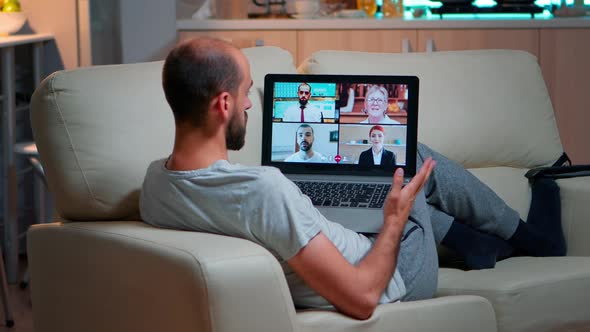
(304, 125)
(304, 84)
(196, 71)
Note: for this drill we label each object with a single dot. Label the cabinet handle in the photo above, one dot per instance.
(405, 45)
(429, 45)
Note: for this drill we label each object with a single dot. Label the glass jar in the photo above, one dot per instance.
(369, 6)
(393, 8)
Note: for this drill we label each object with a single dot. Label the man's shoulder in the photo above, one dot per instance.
(155, 168)
(262, 173)
(292, 157)
(294, 107)
(389, 120)
(267, 181)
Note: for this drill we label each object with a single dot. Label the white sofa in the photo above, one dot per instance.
(99, 268)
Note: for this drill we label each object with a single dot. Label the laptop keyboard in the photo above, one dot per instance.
(344, 194)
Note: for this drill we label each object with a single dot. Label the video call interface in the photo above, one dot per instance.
(340, 123)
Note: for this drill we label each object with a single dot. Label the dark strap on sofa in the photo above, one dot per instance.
(558, 170)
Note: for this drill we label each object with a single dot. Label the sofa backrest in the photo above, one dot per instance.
(98, 128)
(480, 108)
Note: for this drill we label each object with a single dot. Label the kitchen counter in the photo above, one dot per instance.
(482, 21)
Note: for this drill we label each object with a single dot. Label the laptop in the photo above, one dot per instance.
(340, 139)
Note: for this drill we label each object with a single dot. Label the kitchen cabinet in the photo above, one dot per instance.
(286, 40)
(565, 62)
(476, 39)
(387, 41)
(420, 40)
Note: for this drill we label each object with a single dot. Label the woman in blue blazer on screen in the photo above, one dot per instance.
(377, 155)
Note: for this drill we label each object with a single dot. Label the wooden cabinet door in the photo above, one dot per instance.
(310, 41)
(250, 38)
(565, 62)
(476, 39)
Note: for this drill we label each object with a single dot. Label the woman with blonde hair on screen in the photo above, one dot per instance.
(376, 103)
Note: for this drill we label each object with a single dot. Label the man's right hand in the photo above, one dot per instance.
(356, 289)
(400, 199)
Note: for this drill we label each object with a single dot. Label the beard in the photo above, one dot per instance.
(303, 102)
(305, 147)
(235, 135)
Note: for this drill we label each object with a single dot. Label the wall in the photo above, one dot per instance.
(129, 31)
(148, 29)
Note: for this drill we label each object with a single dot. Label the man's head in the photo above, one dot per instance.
(304, 93)
(201, 75)
(305, 137)
(376, 101)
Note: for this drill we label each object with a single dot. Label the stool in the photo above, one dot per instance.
(4, 294)
(29, 150)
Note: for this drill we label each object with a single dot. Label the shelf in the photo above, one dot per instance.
(368, 144)
(401, 113)
(390, 99)
(20, 106)
(23, 107)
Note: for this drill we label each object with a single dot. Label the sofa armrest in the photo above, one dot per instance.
(129, 276)
(450, 313)
(575, 214)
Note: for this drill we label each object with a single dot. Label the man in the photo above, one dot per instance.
(303, 112)
(206, 83)
(305, 138)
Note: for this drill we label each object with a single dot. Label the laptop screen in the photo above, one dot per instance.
(340, 124)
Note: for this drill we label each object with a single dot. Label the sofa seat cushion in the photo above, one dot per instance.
(529, 293)
(437, 314)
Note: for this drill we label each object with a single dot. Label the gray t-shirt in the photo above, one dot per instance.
(255, 203)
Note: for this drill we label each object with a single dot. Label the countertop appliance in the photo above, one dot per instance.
(502, 6)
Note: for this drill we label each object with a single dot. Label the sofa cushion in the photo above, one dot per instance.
(494, 111)
(508, 183)
(528, 293)
(149, 279)
(115, 120)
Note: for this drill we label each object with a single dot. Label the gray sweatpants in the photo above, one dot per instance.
(451, 193)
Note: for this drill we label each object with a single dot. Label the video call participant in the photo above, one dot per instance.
(376, 103)
(304, 138)
(377, 155)
(303, 112)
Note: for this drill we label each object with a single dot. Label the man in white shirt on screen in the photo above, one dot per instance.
(303, 112)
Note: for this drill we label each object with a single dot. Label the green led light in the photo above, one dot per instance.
(493, 16)
(486, 3)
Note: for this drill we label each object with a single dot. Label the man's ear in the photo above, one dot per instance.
(221, 105)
